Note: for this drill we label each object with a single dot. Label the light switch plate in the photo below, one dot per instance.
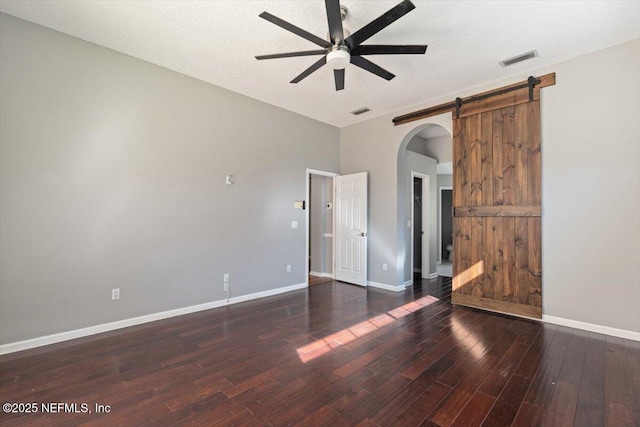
(294, 224)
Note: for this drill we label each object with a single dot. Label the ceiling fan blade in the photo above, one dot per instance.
(292, 54)
(339, 77)
(335, 21)
(295, 30)
(379, 23)
(365, 64)
(319, 63)
(381, 49)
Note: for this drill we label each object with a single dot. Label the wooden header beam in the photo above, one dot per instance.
(514, 94)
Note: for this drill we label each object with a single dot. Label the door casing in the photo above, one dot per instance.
(310, 172)
(426, 242)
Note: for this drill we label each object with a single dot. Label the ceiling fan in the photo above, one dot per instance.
(343, 48)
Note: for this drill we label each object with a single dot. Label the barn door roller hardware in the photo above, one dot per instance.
(474, 104)
(458, 105)
(530, 83)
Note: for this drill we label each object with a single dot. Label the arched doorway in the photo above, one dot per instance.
(424, 165)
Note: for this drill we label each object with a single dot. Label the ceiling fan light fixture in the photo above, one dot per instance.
(339, 58)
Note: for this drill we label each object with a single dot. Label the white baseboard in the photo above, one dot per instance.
(105, 327)
(407, 283)
(591, 327)
(316, 274)
(79, 333)
(430, 276)
(576, 324)
(385, 286)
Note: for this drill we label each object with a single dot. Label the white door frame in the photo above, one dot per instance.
(440, 221)
(425, 214)
(310, 172)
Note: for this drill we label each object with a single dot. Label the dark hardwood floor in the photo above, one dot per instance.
(314, 280)
(333, 355)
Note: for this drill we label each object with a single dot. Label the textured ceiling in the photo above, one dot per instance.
(216, 41)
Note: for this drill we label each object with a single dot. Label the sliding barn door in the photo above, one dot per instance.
(496, 199)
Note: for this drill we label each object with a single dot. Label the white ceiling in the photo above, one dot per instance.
(216, 41)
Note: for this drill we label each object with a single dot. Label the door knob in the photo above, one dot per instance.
(363, 234)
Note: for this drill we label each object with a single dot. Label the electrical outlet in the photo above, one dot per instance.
(115, 293)
(226, 286)
(225, 278)
(384, 267)
(288, 268)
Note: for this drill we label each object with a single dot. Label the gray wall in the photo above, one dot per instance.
(418, 145)
(590, 174)
(591, 189)
(445, 180)
(321, 222)
(112, 174)
(440, 148)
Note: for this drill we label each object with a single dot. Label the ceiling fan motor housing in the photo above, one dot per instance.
(339, 57)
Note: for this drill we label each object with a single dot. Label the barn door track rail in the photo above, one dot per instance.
(517, 93)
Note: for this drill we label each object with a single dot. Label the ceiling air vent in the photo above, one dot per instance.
(360, 111)
(518, 58)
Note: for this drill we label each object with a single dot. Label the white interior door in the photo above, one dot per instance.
(351, 228)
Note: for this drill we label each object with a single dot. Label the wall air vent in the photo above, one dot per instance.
(360, 111)
(518, 58)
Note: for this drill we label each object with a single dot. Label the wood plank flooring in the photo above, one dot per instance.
(333, 355)
(315, 280)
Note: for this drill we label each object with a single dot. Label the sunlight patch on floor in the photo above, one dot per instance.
(325, 345)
